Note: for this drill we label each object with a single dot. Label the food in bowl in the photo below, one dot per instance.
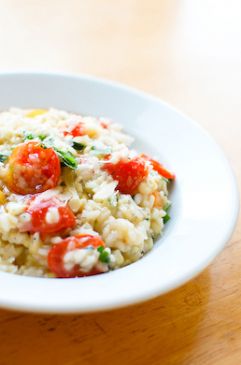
(75, 200)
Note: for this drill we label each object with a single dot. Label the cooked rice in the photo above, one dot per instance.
(127, 224)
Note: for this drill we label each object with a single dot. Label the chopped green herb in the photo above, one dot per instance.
(3, 157)
(42, 137)
(167, 207)
(104, 255)
(67, 158)
(166, 218)
(100, 152)
(29, 136)
(100, 249)
(78, 146)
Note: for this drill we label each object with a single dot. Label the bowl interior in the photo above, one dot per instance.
(204, 196)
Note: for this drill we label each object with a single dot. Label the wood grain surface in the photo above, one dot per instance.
(187, 52)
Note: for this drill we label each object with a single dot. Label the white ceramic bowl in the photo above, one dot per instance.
(205, 198)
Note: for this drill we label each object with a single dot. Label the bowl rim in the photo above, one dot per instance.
(148, 294)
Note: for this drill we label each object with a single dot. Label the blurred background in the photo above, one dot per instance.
(187, 52)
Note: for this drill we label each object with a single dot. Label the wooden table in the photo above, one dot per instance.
(188, 53)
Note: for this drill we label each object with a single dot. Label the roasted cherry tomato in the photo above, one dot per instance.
(48, 216)
(159, 168)
(32, 169)
(128, 173)
(78, 130)
(104, 125)
(58, 251)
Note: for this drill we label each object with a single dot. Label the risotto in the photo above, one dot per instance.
(75, 200)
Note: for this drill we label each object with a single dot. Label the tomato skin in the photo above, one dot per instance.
(38, 211)
(104, 125)
(32, 169)
(128, 173)
(57, 252)
(77, 131)
(158, 167)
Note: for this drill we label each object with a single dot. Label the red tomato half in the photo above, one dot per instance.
(128, 173)
(58, 251)
(39, 210)
(78, 130)
(159, 168)
(32, 169)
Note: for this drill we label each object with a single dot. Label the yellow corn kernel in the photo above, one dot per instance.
(2, 198)
(91, 132)
(35, 112)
